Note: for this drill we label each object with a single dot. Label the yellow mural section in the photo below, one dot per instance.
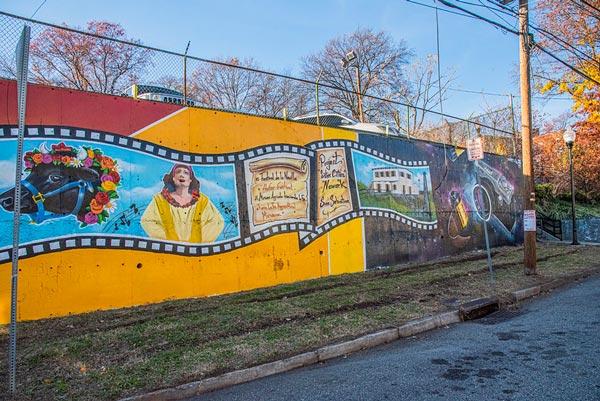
(84, 280)
(346, 251)
(57, 285)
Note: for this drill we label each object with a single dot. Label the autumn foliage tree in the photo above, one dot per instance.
(94, 62)
(574, 29)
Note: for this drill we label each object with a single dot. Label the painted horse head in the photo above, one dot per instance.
(66, 181)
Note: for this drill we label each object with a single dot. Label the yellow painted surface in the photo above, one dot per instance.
(83, 280)
(210, 131)
(336, 133)
(346, 251)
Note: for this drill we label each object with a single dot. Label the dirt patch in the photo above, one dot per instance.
(113, 354)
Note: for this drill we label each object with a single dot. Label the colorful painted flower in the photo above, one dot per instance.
(95, 207)
(37, 158)
(109, 186)
(106, 177)
(107, 162)
(102, 198)
(90, 218)
(61, 147)
(104, 201)
(116, 176)
(111, 206)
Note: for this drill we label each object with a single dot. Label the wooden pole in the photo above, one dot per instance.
(530, 258)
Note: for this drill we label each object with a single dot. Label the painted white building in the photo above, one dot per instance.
(393, 180)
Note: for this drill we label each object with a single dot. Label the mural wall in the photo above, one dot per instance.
(128, 202)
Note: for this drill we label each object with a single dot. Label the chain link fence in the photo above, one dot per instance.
(103, 63)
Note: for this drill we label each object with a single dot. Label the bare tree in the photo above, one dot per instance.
(377, 66)
(235, 85)
(424, 91)
(70, 59)
(223, 85)
(274, 94)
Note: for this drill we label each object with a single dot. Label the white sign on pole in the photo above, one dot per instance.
(475, 149)
(529, 223)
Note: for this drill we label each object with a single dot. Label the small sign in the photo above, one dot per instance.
(529, 220)
(475, 149)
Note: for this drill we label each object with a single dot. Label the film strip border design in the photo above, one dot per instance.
(366, 149)
(145, 244)
(307, 232)
(331, 224)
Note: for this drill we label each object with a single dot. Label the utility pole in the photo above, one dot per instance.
(530, 258)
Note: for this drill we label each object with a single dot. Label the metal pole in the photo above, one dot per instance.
(317, 96)
(530, 258)
(359, 95)
(485, 230)
(185, 74)
(22, 56)
(575, 242)
(408, 121)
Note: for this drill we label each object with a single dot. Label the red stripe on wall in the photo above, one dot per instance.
(48, 105)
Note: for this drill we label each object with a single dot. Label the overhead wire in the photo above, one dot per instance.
(533, 43)
(495, 12)
(590, 6)
(249, 69)
(432, 7)
(581, 7)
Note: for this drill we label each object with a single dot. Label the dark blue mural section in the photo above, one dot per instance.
(464, 194)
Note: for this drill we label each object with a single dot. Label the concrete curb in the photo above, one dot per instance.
(309, 358)
(470, 310)
(538, 289)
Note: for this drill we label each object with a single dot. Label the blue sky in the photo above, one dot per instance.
(277, 34)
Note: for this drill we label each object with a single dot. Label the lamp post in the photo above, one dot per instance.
(569, 137)
(349, 59)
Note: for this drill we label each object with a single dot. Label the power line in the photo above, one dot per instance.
(532, 43)
(38, 9)
(254, 70)
(477, 16)
(549, 35)
(583, 8)
(506, 94)
(590, 5)
(432, 7)
(495, 12)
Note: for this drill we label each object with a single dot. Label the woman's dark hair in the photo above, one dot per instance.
(170, 184)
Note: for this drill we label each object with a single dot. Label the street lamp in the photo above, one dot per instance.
(352, 59)
(569, 137)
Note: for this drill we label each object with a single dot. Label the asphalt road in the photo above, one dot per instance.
(547, 350)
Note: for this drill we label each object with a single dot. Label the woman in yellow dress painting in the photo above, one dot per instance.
(180, 212)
